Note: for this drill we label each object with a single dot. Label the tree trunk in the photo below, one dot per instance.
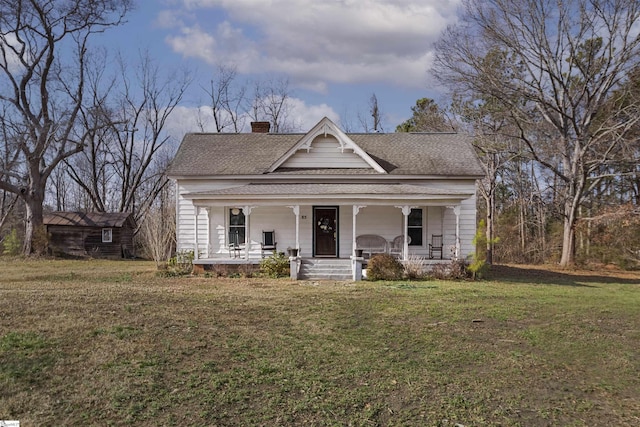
(34, 223)
(490, 201)
(568, 235)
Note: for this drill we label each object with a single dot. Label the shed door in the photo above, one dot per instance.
(325, 231)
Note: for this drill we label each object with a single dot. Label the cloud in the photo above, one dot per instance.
(193, 42)
(306, 116)
(198, 119)
(11, 61)
(318, 43)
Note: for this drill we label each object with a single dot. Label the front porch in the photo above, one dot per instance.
(244, 229)
(237, 232)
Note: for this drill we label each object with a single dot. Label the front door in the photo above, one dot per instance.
(325, 231)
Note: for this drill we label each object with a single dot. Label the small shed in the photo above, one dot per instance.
(90, 234)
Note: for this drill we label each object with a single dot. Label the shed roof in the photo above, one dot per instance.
(429, 154)
(87, 219)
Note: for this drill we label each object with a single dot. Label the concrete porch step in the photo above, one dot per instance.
(325, 269)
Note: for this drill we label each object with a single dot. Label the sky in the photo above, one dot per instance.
(334, 53)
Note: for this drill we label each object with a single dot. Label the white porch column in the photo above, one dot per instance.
(356, 210)
(208, 240)
(406, 210)
(296, 212)
(195, 233)
(246, 210)
(456, 211)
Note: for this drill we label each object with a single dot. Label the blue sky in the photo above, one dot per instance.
(335, 53)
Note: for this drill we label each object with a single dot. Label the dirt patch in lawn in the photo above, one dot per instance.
(552, 274)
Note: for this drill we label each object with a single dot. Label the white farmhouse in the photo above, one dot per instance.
(327, 198)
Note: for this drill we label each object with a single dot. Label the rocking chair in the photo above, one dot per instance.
(268, 242)
(435, 245)
(234, 244)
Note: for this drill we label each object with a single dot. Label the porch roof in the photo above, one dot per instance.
(390, 192)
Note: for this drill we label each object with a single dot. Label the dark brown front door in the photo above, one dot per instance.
(325, 231)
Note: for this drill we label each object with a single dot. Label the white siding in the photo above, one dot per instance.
(467, 227)
(434, 225)
(325, 152)
(386, 221)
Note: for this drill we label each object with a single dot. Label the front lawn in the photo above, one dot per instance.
(111, 343)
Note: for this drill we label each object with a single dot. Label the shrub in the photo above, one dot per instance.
(455, 270)
(12, 244)
(414, 267)
(179, 265)
(277, 265)
(479, 267)
(384, 267)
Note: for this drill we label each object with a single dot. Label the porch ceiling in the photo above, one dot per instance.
(388, 193)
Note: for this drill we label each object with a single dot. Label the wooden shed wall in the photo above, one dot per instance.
(87, 241)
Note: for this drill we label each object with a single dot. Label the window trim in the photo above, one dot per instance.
(421, 227)
(230, 227)
(107, 235)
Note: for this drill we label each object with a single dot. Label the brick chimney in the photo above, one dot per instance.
(260, 127)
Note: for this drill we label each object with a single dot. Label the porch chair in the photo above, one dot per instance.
(234, 245)
(268, 242)
(435, 245)
(397, 246)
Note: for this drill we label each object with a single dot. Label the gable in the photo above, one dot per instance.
(326, 147)
(325, 152)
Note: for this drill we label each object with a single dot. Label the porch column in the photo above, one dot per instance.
(296, 212)
(356, 210)
(456, 211)
(406, 210)
(195, 233)
(208, 240)
(246, 210)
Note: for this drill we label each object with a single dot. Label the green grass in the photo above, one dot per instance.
(110, 343)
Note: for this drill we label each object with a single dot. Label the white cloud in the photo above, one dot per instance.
(11, 60)
(193, 42)
(169, 19)
(306, 116)
(317, 43)
(198, 119)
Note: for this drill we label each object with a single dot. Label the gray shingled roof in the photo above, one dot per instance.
(434, 154)
(87, 219)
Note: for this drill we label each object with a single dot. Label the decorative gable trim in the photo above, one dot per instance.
(327, 127)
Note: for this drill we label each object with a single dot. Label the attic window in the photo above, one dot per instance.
(107, 235)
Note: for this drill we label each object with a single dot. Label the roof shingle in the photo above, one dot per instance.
(87, 219)
(430, 154)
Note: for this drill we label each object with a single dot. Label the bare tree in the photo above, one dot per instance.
(271, 102)
(158, 228)
(373, 110)
(123, 167)
(41, 95)
(559, 64)
(227, 96)
(482, 119)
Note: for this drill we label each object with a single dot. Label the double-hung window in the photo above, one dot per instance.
(236, 226)
(414, 227)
